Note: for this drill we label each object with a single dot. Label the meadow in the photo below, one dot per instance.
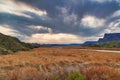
(46, 63)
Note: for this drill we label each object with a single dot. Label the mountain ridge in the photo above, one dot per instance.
(110, 40)
(110, 37)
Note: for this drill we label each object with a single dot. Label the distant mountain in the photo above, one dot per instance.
(73, 44)
(10, 44)
(89, 43)
(110, 37)
(111, 40)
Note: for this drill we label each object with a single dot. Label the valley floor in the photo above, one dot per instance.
(48, 62)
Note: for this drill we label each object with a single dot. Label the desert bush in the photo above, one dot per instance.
(75, 76)
(56, 78)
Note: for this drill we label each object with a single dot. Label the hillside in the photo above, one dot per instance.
(10, 44)
(111, 40)
(111, 37)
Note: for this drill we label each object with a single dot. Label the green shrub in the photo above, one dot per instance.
(75, 76)
(56, 78)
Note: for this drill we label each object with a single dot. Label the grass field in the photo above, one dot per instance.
(48, 62)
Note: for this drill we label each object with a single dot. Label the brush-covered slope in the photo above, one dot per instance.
(10, 44)
(111, 40)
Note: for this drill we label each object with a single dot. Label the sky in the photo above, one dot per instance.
(59, 21)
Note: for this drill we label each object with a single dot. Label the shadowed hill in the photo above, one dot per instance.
(10, 44)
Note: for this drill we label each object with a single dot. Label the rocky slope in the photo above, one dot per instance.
(110, 37)
(111, 40)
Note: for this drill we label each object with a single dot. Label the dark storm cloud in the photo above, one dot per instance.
(79, 8)
(63, 16)
(21, 23)
(49, 6)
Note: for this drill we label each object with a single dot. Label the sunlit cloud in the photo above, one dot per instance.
(92, 22)
(114, 27)
(116, 14)
(5, 29)
(53, 38)
(42, 28)
(10, 6)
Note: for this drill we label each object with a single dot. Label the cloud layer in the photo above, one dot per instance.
(62, 21)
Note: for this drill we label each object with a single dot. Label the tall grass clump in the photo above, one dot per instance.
(75, 76)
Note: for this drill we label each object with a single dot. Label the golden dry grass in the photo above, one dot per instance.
(46, 63)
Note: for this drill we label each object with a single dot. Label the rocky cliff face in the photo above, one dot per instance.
(110, 37)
